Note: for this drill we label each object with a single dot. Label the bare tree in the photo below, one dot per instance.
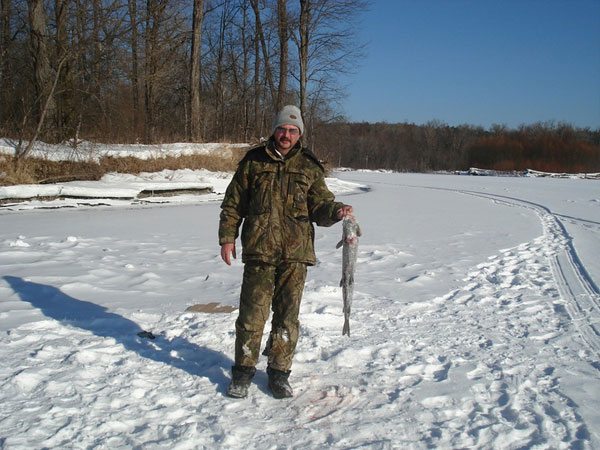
(64, 108)
(166, 68)
(23, 150)
(154, 12)
(283, 32)
(244, 88)
(304, 32)
(39, 48)
(6, 12)
(256, 82)
(5, 39)
(325, 39)
(195, 74)
(219, 65)
(260, 35)
(135, 73)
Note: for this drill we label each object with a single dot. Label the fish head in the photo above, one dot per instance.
(350, 230)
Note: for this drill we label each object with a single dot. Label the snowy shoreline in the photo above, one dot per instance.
(91, 151)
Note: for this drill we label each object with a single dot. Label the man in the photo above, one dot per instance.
(278, 190)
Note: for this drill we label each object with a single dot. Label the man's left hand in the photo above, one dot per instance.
(344, 211)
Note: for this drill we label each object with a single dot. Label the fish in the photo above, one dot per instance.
(350, 233)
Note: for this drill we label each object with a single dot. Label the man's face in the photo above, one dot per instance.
(286, 137)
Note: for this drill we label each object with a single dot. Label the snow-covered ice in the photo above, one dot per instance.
(475, 322)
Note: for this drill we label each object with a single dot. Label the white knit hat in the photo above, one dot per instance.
(289, 115)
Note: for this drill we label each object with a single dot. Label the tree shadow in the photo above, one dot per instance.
(178, 352)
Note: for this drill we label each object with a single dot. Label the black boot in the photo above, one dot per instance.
(240, 381)
(278, 383)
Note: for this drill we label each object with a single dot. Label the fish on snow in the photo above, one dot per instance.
(350, 233)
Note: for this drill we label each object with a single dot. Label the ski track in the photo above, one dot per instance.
(500, 336)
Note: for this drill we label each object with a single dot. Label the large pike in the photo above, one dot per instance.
(350, 233)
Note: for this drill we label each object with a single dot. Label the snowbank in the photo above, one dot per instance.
(90, 151)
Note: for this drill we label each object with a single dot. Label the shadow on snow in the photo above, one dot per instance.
(189, 357)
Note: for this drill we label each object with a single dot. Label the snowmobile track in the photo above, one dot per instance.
(577, 288)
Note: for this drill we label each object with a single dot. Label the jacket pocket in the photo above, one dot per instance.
(299, 237)
(299, 185)
(255, 238)
(261, 193)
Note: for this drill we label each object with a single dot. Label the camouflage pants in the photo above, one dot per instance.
(267, 286)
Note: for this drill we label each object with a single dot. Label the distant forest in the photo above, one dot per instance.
(546, 147)
(152, 71)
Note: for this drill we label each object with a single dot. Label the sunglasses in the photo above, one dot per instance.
(292, 131)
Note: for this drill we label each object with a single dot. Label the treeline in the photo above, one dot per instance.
(168, 70)
(544, 148)
(435, 146)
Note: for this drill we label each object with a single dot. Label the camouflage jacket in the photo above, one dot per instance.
(278, 199)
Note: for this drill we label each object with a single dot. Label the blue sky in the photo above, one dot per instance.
(478, 62)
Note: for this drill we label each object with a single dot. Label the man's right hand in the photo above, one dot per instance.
(228, 250)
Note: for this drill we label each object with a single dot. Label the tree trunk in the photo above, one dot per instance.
(65, 89)
(261, 38)
(303, 53)
(195, 74)
(149, 70)
(132, 4)
(38, 41)
(257, 89)
(96, 49)
(219, 67)
(283, 32)
(245, 70)
(5, 44)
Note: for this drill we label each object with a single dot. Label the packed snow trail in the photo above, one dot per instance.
(576, 287)
(462, 333)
